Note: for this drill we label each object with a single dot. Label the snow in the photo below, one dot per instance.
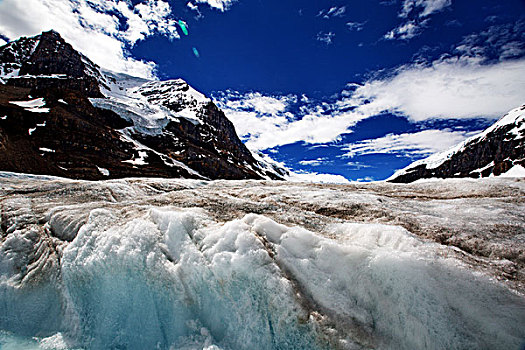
(43, 149)
(480, 170)
(252, 265)
(62, 101)
(31, 131)
(144, 102)
(35, 106)
(103, 171)
(38, 102)
(38, 110)
(516, 171)
(140, 160)
(126, 135)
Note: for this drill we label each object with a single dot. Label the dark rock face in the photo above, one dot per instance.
(47, 61)
(68, 135)
(492, 154)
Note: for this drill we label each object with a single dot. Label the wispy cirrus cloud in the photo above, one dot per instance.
(326, 38)
(406, 31)
(332, 12)
(423, 8)
(355, 26)
(497, 42)
(409, 144)
(416, 13)
(315, 162)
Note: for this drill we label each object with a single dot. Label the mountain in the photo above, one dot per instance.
(495, 151)
(61, 114)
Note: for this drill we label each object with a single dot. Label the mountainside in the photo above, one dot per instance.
(60, 114)
(493, 152)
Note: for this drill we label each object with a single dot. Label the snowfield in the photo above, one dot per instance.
(188, 264)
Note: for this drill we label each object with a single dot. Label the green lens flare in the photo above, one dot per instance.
(183, 27)
(196, 53)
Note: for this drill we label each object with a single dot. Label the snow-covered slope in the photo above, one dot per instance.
(187, 264)
(492, 152)
(98, 119)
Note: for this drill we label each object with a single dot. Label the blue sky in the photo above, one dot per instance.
(352, 88)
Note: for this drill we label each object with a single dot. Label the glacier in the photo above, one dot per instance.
(189, 264)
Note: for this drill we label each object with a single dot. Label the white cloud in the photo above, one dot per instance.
(332, 12)
(358, 165)
(452, 88)
(405, 31)
(426, 7)
(500, 42)
(255, 101)
(418, 10)
(357, 26)
(421, 143)
(264, 132)
(264, 122)
(315, 162)
(93, 27)
(326, 38)
(221, 5)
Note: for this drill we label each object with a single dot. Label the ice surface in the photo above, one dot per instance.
(188, 264)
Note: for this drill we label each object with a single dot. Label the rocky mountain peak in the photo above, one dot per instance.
(48, 61)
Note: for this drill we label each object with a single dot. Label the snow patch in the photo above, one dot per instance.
(103, 171)
(43, 149)
(516, 171)
(140, 160)
(35, 106)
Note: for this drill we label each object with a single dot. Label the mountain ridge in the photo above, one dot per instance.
(94, 124)
(490, 153)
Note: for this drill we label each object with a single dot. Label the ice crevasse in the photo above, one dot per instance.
(177, 279)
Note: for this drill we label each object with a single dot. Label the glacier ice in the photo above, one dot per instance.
(147, 263)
